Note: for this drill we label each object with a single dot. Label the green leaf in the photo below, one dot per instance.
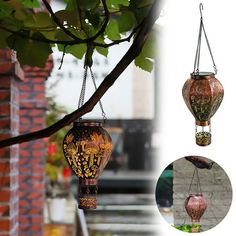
(87, 5)
(149, 48)
(30, 52)
(69, 17)
(77, 50)
(144, 63)
(39, 20)
(114, 4)
(101, 50)
(112, 30)
(140, 3)
(126, 21)
(94, 18)
(31, 3)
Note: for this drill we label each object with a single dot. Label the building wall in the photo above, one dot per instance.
(10, 76)
(216, 188)
(32, 154)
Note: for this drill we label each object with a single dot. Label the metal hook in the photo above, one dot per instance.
(201, 8)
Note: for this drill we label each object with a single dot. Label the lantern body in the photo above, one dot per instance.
(195, 205)
(87, 148)
(203, 94)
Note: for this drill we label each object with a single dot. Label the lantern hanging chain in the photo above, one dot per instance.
(198, 181)
(82, 93)
(100, 103)
(88, 64)
(197, 55)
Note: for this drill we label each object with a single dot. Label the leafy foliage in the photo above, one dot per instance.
(32, 32)
(188, 228)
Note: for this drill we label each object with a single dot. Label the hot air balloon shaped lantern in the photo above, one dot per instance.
(203, 93)
(87, 148)
(196, 204)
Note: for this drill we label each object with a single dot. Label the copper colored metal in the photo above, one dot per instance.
(203, 123)
(87, 148)
(203, 94)
(195, 205)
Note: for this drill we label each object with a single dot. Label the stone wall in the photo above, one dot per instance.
(216, 188)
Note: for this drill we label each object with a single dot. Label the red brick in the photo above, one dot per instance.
(25, 88)
(5, 224)
(5, 195)
(39, 120)
(5, 180)
(5, 82)
(5, 123)
(36, 211)
(24, 220)
(4, 210)
(24, 203)
(4, 167)
(36, 228)
(37, 220)
(5, 109)
(4, 152)
(39, 88)
(38, 203)
(34, 195)
(24, 120)
(5, 95)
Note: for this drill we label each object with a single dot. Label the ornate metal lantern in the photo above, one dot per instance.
(203, 93)
(195, 205)
(87, 148)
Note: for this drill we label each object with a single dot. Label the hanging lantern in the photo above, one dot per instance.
(87, 148)
(195, 205)
(203, 93)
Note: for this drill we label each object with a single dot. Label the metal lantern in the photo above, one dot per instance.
(203, 93)
(195, 205)
(87, 148)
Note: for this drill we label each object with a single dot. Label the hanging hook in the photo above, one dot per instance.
(201, 8)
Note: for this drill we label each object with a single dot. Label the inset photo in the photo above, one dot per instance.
(193, 194)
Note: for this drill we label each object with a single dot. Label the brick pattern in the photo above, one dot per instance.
(10, 75)
(216, 188)
(31, 179)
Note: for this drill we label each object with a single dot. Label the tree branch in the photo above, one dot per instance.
(57, 21)
(109, 80)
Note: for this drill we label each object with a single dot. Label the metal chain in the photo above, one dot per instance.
(100, 103)
(198, 181)
(82, 93)
(197, 55)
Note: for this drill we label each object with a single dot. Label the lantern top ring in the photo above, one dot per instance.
(87, 123)
(201, 75)
(195, 194)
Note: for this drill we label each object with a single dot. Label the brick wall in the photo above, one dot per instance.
(216, 188)
(32, 154)
(10, 75)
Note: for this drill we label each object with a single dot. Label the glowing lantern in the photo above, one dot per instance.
(87, 148)
(203, 94)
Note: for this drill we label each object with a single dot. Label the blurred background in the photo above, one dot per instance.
(126, 188)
